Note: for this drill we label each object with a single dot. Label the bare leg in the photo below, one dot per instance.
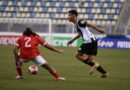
(52, 71)
(19, 69)
(80, 57)
(85, 59)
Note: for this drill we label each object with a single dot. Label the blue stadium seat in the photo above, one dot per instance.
(42, 4)
(117, 11)
(15, 3)
(103, 11)
(101, 5)
(5, 3)
(52, 4)
(110, 5)
(44, 9)
(2, 8)
(33, 4)
(59, 8)
(91, 4)
(110, 17)
(71, 4)
(107, 1)
(13, 14)
(31, 9)
(16, 8)
(116, 1)
(119, 5)
(88, 10)
(24, 4)
(52, 15)
(91, 16)
(61, 4)
(33, 15)
(88, 0)
(99, 1)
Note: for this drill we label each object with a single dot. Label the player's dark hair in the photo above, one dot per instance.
(29, 32)
(73, 12)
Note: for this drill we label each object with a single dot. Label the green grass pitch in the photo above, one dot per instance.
(115, 61)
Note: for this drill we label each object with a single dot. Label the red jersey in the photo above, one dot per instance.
(29, 46)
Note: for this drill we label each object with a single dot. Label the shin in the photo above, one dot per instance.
(51, 70)
(18, 67)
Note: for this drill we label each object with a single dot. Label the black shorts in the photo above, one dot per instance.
(88, 48)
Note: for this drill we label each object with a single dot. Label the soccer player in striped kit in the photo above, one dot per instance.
(88, 50)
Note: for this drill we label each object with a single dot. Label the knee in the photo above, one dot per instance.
(77, 56)
(97, 64)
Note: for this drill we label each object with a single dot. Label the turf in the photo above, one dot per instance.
(115, 61)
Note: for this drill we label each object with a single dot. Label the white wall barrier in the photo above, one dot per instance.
(105, 42)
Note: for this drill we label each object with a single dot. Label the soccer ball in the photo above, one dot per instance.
(33, 69)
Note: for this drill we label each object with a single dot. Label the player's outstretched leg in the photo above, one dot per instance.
(53, 72)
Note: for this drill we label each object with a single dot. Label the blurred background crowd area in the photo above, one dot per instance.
(110, 14)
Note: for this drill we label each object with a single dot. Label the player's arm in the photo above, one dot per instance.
(76, 37)
(95, 27)
(46, 45)
(52, 48)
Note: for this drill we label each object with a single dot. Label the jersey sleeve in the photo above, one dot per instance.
(82, 23)
(41, 41)
(17, 43)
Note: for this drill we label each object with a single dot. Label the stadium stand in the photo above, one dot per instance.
(95, 11)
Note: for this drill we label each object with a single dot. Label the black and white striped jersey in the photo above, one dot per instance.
(81, 28)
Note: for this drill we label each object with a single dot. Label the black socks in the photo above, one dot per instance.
(88, 62)
(100, 69)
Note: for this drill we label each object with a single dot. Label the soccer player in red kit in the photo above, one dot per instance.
(28, 47)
